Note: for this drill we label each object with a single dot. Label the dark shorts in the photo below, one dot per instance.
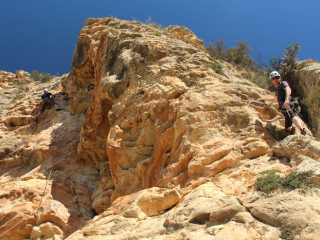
(47, 102)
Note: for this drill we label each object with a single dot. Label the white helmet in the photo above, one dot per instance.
(274, 74)
(45, 90)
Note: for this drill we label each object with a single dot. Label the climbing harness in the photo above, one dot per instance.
(296, 110)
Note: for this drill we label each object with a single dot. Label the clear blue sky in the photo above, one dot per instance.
(42, 34)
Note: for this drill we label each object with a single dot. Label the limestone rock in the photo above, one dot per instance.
(184, 34)
(293, 210)
(30, 154)
(6, 80)
(306, 78)
(151, 144)
(23, 76)
(189, 219)
(18, 120)
(157, 115)
(309, 165)
(304, 81)
(46, 231)
(294, 148)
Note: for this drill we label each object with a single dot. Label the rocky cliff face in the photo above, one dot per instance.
(304, 81)
(154, 142)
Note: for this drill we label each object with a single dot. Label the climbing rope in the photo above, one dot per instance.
(44, 191)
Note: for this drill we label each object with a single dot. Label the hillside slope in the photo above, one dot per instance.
(154, 142)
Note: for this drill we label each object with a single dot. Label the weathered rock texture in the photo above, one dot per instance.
(45, 186)
(152, 140)
(304, 81)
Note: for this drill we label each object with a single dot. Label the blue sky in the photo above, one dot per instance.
(42, 34)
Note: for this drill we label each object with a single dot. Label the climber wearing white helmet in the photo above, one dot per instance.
(274, 75)
(47, 101)
(285, 106)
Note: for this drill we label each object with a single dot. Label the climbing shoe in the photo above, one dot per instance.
(292, 131)
(303, 132)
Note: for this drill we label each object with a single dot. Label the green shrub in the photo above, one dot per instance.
(296, 180)
(268, 183)
(261, 79)
(271, 181)
(240, 55)
(46, 77)
(287, 63)
(290, 58)
(156, 33)
(17, 96)
(286, 233)
(36, 76)
(219, 50)
(216, 66)
(271, 171)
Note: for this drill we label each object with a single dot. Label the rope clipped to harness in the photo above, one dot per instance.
(294, 109)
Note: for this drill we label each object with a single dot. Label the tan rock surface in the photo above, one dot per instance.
(294, 210)
(6, 79)
(42, 178)
(304, 81)
(306, 78)
(152, 140)
(163, 115)
(189, 219)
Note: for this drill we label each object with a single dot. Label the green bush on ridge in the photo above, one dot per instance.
(286, 233)
(216, 66)
(36, 76)
(271, 181)
(258, 72)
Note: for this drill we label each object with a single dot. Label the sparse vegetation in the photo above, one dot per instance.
(153, 24)
(304, 63)
(16, 97)
(238, 55)
(271, 171)
(156, 33)
(286, 233)
(288, 63)
(261, 79)
(216, 66)
(271, 181)
(219, 51)
(296, 180)
(258, 72)
(4, 108)
(36, 76)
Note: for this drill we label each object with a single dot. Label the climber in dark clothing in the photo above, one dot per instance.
(285, 105)
(47, 101)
